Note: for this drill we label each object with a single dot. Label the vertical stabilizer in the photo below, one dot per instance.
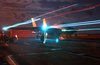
(44, 24)
(33, 23)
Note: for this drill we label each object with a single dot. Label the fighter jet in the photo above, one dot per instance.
(46, 30)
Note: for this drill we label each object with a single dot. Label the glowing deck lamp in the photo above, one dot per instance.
(44, 27)
(57, 40)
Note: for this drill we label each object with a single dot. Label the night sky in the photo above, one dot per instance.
(17, 11)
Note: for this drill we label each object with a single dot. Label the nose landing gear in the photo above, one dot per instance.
(43, 37)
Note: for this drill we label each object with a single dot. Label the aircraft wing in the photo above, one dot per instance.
(53, 30)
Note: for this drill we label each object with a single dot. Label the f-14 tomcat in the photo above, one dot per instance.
(44, 30)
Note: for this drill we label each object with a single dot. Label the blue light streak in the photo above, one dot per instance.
(23, 23)
(77, 24)
(63, 30)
